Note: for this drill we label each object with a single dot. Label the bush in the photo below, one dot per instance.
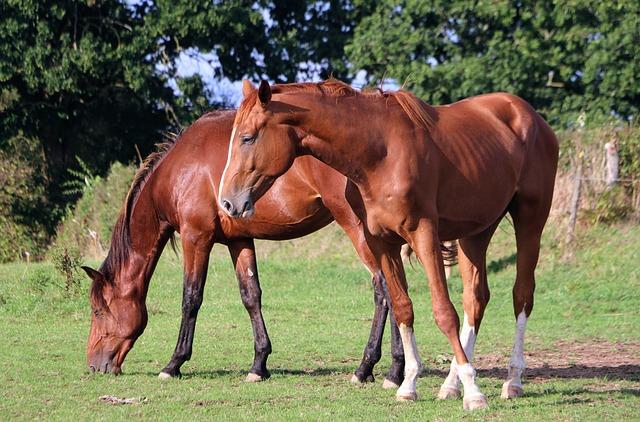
(599, 203)
(23, 204)
(87, 227)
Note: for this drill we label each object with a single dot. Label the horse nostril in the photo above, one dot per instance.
(92, 368)
(227, 206)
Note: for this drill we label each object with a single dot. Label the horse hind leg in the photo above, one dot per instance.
(243, 257)
(528, 220)
(473, 269)
(424, 240)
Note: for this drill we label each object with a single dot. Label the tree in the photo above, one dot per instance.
(95, 79)
(563, 57)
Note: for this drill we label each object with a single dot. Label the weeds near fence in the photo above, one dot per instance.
(67, 261)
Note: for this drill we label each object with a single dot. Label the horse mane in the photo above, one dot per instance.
(121, 236)
(420, 113)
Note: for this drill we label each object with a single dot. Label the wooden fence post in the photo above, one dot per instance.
(573, 212)
(612, 159)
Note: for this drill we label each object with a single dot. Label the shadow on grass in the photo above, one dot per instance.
(220, 373)
(621, 372)
(502, 263)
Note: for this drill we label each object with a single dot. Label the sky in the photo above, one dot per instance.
(226, 91)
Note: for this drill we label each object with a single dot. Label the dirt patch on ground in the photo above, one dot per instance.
(569, 360)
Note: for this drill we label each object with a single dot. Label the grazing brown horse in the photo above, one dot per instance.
(423, 175)
(176, 191)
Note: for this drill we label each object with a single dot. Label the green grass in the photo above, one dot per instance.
(317, 305)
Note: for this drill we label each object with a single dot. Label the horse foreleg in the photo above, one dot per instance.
(243, 257)
(388, 256)
(373, 349)
(196, 248)
(473, 269)
(424, 241)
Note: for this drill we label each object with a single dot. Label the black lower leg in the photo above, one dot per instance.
(372, 351)
(243, 256)
(191, 301)
(396, 372)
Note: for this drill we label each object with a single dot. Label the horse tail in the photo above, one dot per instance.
(449, 253)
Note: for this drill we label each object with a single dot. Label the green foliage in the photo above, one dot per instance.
(88, 225)
(629, 152)
(611, 205)
(80, 181)
(600, 204)
(562, 57)
(24, 210)
(93, 80)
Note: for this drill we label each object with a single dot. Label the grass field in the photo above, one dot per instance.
(583, 350)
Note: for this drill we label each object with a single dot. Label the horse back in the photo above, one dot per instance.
(490, 147)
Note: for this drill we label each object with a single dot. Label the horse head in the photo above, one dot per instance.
(118, 319)
(262, 148)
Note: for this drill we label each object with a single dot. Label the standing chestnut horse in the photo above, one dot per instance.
(175, 190)
(423, 175)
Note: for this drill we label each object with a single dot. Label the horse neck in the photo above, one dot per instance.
(338, 140)
(147, 238)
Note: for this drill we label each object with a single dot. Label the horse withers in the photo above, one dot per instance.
(175, 191)
(423, 175)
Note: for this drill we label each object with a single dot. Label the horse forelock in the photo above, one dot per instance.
(245, 107)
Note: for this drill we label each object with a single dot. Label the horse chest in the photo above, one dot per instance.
(385, 217)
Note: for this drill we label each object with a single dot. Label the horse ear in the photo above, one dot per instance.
(247, 88)
(94, 275)
(264, 93)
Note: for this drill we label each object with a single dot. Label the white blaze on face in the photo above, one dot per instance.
(224, 172)
(249, 272)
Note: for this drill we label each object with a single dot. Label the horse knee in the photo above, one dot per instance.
(447, 320)
(403, 311)
(251, 296)
(192, 300)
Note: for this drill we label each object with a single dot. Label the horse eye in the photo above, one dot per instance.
(247, 139)
(97, 312)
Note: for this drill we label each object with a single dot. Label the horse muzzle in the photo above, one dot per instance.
(105, 365)
(238, 206)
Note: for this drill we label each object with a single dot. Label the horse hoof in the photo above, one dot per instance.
(251, 377)
(164, 376)
(406, 396)
(447, 392)
(476, 402)
(389, 385)
(357, 381)
(511, 391)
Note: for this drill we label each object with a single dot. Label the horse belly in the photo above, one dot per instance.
(468, 205)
